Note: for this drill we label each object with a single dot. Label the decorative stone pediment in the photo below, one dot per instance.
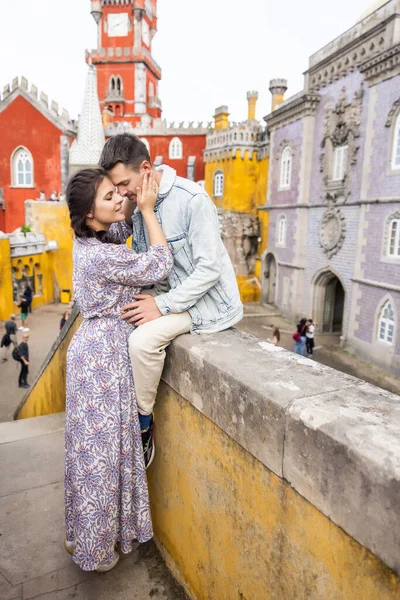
(341, 128)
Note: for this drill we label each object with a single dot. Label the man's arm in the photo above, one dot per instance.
(205, 240)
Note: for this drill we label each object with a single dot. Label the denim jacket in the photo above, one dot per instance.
(202, 281)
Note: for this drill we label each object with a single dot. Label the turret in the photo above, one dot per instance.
(221, 117)
(252, 98)
(277, 87)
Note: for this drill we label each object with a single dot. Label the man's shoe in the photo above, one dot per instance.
(103, 568)
(149, 447)
(25, 385)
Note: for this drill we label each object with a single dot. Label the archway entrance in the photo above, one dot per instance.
(329, 303)
(269, 279)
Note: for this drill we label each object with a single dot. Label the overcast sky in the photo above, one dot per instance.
(211, 51)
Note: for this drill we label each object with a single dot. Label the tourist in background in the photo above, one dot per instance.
(300, 338)
(10, 337)
(310, 337)
(23, 305)
(23, 350)
(276, 336)
(64, 319)
(28, 294)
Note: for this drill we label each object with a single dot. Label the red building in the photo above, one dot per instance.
(33, 151)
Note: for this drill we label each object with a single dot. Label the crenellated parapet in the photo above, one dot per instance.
(51, 110)
(159, 127)
(247, 137)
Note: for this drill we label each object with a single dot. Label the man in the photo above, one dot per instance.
(28, 295)
(23, 350)
(201, 295)
(10, 337)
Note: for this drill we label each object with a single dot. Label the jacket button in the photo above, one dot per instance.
(167, 310)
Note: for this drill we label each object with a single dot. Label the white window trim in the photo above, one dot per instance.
(175, 149)
(146, 143)
(397, 239)
(285, 176)
(14, 171)
(281, 231)
(339, 162)
(396, 144)
(218, 184)
(381, 320)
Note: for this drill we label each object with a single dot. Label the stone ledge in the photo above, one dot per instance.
(334, 438)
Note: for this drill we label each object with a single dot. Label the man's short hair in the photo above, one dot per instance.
(124, 148)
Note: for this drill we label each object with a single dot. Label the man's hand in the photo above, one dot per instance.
(142, 311)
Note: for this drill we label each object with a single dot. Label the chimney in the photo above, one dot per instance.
(277, 87)
(221, 117)
(252, 98)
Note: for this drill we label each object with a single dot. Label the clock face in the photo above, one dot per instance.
(118, 24)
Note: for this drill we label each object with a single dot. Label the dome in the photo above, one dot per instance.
(377, 4)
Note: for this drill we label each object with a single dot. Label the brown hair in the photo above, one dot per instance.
(81, 194)
(124, 148)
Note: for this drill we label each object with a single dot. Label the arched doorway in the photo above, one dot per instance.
(269, 279)
(329, 301)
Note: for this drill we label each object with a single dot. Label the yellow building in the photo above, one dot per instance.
(41, 258)
(236, 178)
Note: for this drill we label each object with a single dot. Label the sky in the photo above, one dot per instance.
(211, 51)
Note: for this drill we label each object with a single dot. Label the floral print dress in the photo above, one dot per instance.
(106, 496)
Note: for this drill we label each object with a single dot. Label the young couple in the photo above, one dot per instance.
(177, 279)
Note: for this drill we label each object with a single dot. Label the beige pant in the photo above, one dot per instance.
(147, 346)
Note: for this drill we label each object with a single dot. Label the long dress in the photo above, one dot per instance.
(106, 496)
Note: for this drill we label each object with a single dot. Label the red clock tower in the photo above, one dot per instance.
(127, 74)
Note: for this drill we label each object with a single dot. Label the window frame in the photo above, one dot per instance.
(14, 169)
(286, 165)
(175, 143)
(392, 222)
(341, 163)
(281, 231)
(395, 166)
(387, 322)
(218, 184)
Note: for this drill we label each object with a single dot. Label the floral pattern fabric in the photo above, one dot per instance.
(106, 496)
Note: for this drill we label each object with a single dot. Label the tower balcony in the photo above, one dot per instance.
(123, 54)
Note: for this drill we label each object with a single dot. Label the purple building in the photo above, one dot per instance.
(334, 191)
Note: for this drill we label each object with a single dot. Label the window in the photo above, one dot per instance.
(281, 231)
(339, 163)
(286, 167)
(394, 238)
(218, 185)
(386, 324)
(175, 148)
(146, 143)
(396, 145)
(22, 168)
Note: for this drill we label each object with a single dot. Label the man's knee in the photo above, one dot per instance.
(141, 342)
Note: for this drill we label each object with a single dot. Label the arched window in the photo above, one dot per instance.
(218, 184)
(396, 144)
(22, 168)
(112, 84)
(119, 85)
(286, 167)
(146, 143)
(339, 163)
(393, 248)
(386, 323)
(281, 231)
(175, 148)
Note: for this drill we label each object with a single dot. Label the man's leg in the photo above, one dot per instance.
(147, 346)
(21, 375)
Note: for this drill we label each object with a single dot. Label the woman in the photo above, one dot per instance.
(64, 319)
(105, 479)
(300, 337)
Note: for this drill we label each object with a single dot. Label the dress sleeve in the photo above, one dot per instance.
(119, 232)
(122, 265)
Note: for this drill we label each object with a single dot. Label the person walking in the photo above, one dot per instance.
(300, 338)
(28, 295)
(24, 306)
(310, 337)
(23, 350)
(9, 338)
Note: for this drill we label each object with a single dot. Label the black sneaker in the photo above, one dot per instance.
(149, 448)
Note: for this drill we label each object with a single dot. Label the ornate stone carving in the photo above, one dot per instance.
(386, 64)
(393, 113)
(333, 231)
(240, 232)
(341, 128)
(301, 105)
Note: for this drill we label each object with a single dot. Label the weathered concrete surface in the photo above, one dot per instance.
(333, 437)
(33, 561)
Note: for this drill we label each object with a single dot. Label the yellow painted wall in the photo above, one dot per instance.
(232, 530)
(52, 220)
(47, 396)
(245, 189)
(35, 264)
(6, 291)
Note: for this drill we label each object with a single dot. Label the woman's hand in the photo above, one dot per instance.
(147, 196)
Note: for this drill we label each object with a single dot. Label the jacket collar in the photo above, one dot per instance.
(167, 181)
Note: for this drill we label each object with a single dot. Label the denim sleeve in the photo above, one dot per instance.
(205, 241)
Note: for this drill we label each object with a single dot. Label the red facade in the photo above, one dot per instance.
(192, 145)
(24, 126)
